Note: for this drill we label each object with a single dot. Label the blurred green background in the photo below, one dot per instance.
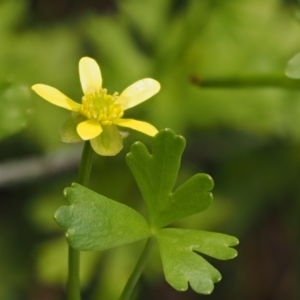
(247, 139)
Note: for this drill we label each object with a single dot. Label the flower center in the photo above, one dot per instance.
(101, 107)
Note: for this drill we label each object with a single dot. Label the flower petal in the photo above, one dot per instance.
(143, 127)
(138, 92)
(89, 129)
(68, 131)
(55, 97)
(109, 142)
(90, 75)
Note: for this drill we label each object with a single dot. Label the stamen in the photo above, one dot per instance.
(116, 110)
(106, 122)
(101, 107)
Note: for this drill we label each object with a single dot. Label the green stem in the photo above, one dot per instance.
(85, 164)
(250, 81)
(74, 255)
(135, 275)
(73, 279)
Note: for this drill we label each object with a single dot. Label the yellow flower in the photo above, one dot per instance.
(95, 119)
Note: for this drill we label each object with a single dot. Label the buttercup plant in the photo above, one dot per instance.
(94, 223)
(96, 118)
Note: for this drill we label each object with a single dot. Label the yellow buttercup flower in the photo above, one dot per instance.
(95, 119)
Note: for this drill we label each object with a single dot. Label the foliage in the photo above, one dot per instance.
(94, 222)
(246, 138)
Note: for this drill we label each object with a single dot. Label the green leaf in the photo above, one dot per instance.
(182, 265)
(95, 222)
(14, 109)
(156, 175)
(293, 67)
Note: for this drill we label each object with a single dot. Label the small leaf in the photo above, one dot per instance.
(293, 67)
(182, 265)
(156, 175)
(95, 222)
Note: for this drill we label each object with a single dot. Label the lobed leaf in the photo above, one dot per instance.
(156, 174)
(182, 265)
(94, 222)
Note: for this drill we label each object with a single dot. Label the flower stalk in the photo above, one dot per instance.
(137, 271)
(73, 286)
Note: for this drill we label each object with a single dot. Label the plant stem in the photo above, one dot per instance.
(135, 275)
(84, 172)
(73, 279)
(85, 167)
(250, 81)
